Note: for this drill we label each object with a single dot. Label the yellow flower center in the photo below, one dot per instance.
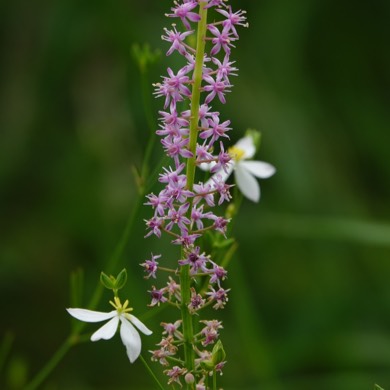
(236, 153)
(119, 307)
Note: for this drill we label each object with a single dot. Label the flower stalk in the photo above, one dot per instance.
(183, 209)
(196, 89)
(185, 280)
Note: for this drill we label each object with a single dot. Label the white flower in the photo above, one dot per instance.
(129, 335)
(245, 170)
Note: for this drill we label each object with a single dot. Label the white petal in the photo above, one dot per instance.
(91, 315)
(260, 169)
(247, 183)
(131, 339)
(246, 144)
(107, 330)
(223, 175)
(207, 166)
(139, 325)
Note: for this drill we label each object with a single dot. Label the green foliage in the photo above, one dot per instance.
(144, 56)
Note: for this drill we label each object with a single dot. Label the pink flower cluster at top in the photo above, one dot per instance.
(172, 204)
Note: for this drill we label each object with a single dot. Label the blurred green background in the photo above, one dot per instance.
(310, 300)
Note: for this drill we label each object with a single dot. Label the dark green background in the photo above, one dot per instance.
(310, 299)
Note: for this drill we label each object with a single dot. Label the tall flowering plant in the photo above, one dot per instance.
(185, 209)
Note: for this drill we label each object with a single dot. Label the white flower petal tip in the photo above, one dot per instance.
(141, 327)
(260, 169)
(131, 340)
(90, 315)
(247, 184)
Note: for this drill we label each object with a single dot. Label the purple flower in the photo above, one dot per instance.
(222, 39)
(197, 216)
(217, 274)
(233, 19)
(160, 355)
(173, 87)
(203, 154)
(177, 192)
(204, 191)
(176, 147)
(210, 331)
(171, 329)
(214, 3)
(183, 11)
(151, 266)
(177, 40)
(225, 68)
(215, 130)
(204, 115)
(174, 374)
(222, 188)
(219, 296)
(173, 288)
(195, 260)
(157, 296)
(157, 202)
(223, 160)
(178, 217)
(172, 118)
(220, 224)
(196, 301)
(173, 176)
(215, 87)
(186, 239)
(154, 224)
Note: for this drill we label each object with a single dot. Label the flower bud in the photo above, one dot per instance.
(107, 281)
(113, 283)
(189, 378)
(218, 354)
(121, 279)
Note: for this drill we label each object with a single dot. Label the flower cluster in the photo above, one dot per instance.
(191, 134)
(177, 205)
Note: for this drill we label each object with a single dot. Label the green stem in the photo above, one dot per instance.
(196, 89)
(215, 380)
(188, 330)
(185, 279)
(159, 385)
